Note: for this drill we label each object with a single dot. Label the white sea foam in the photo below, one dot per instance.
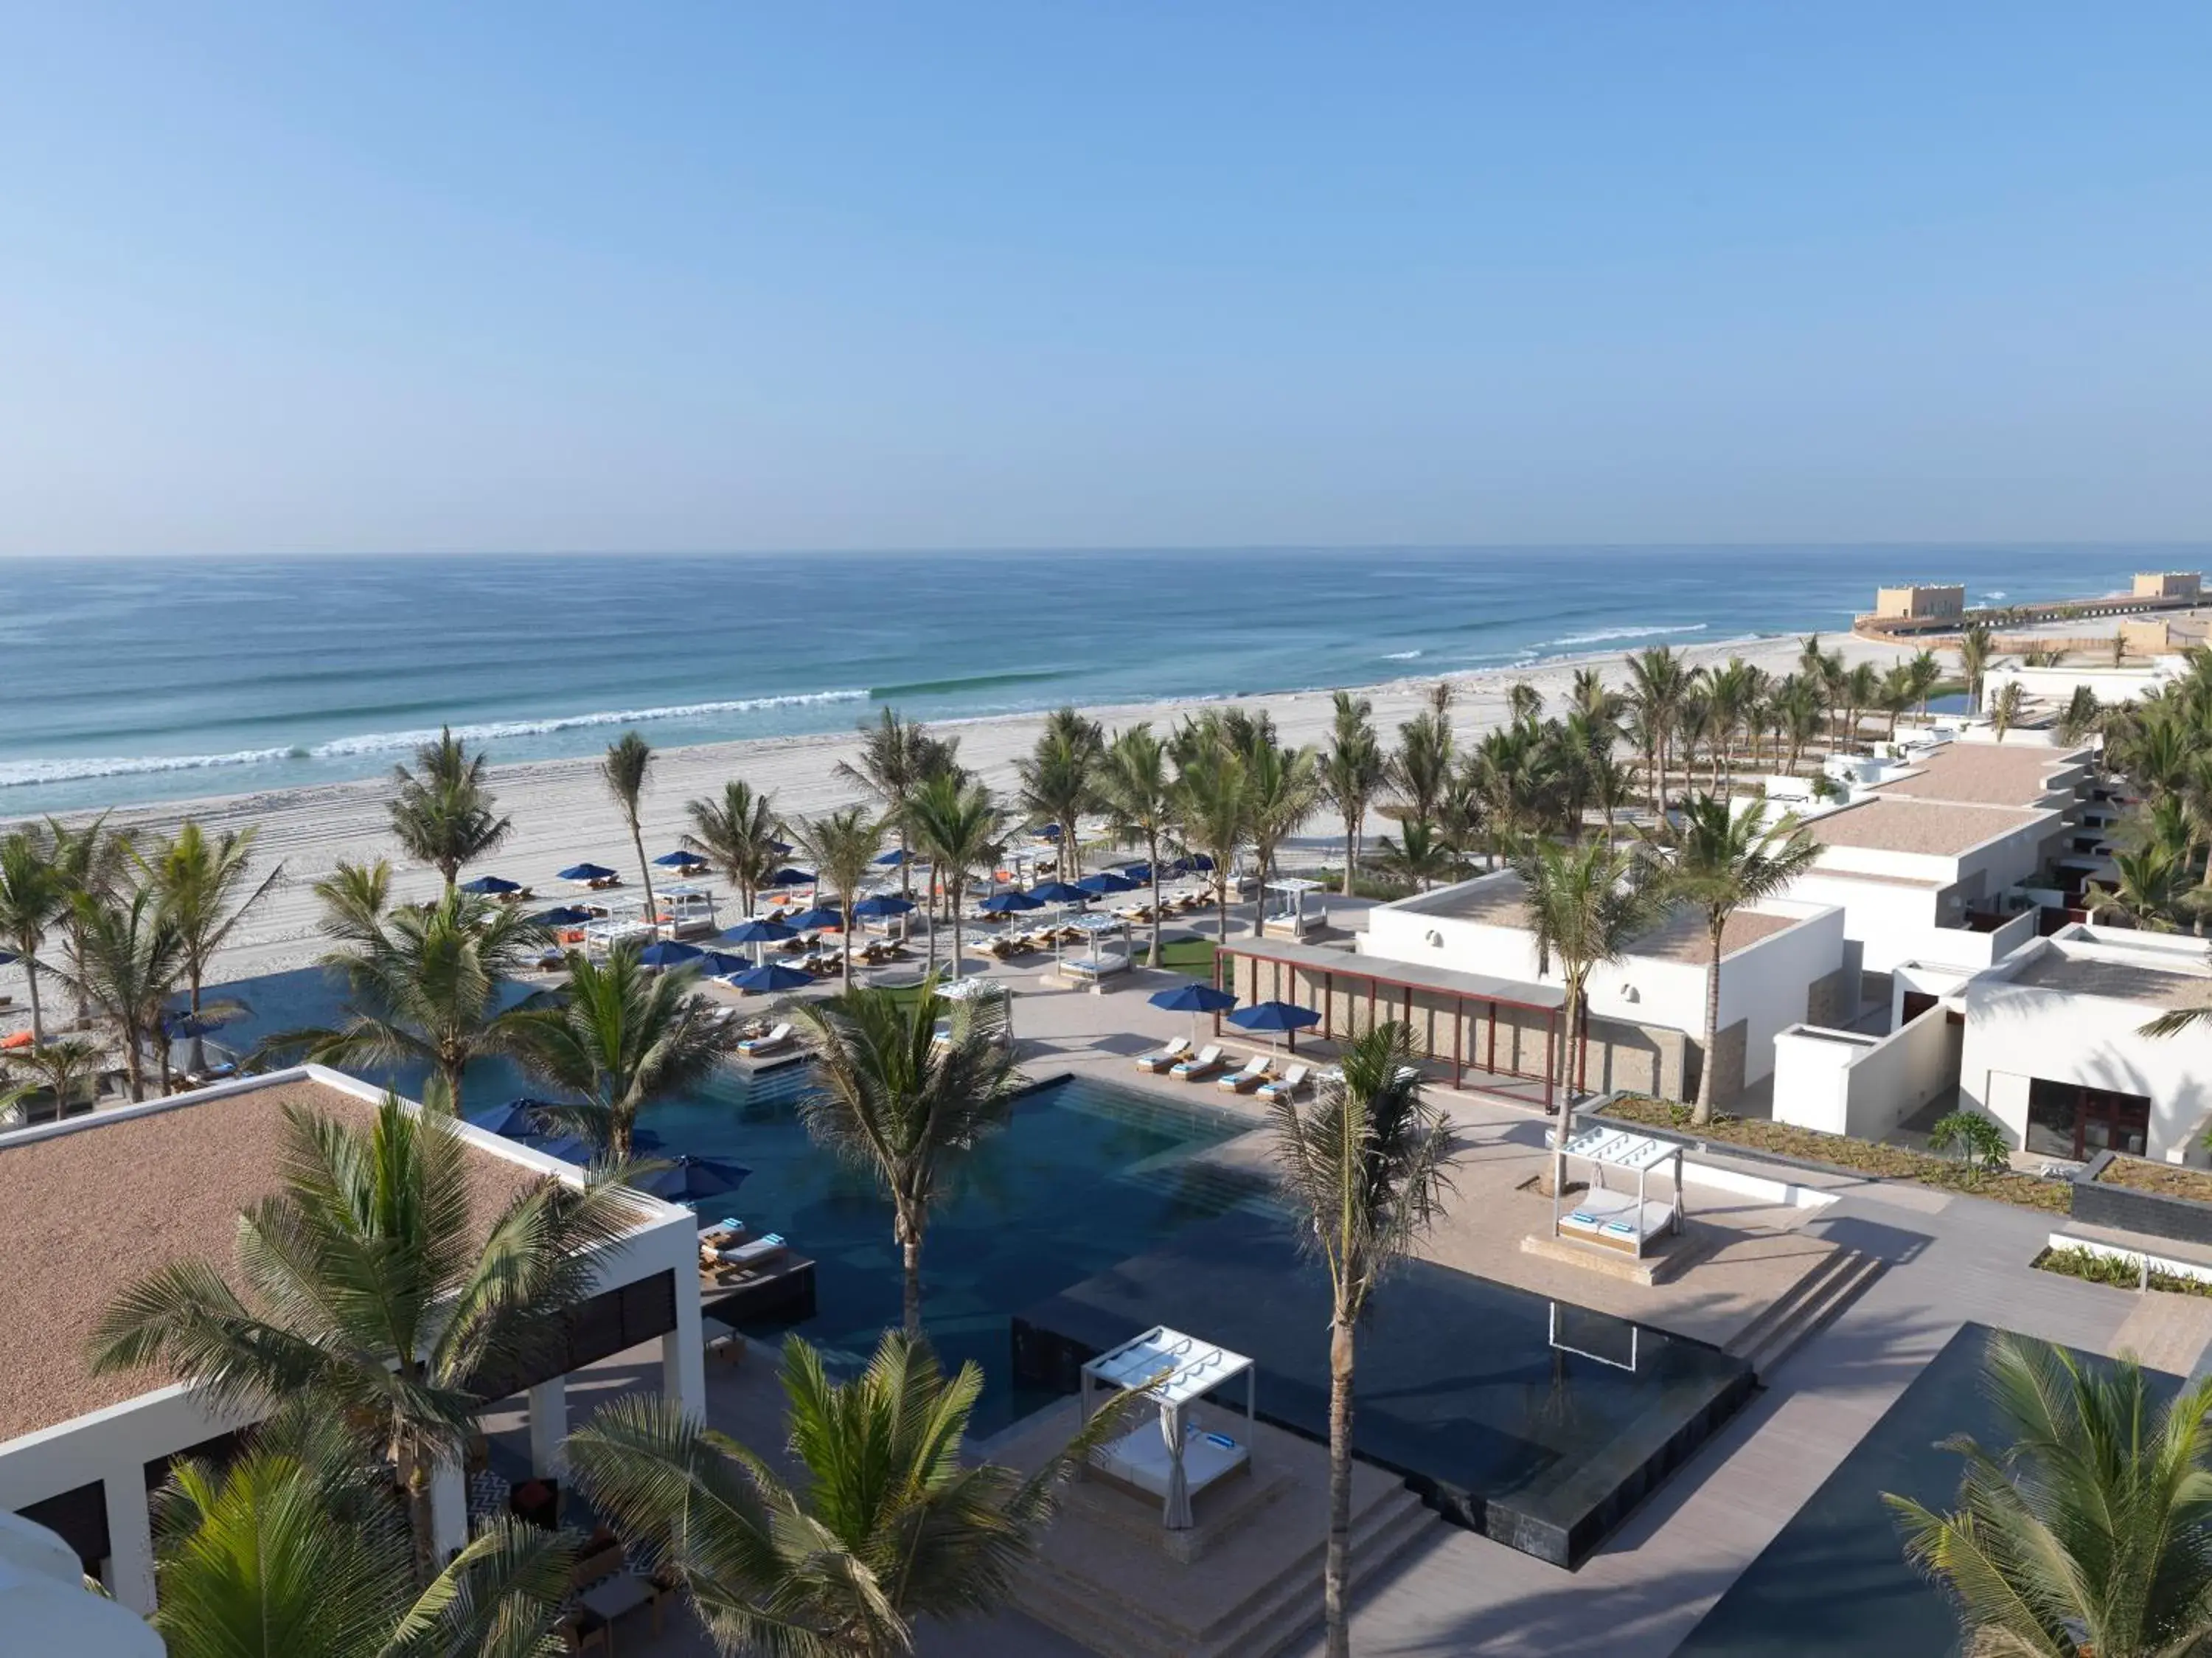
(1400, 655)
(1601, 635)
(16, 773)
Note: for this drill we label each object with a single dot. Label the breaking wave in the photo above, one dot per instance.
(18, 773)
(1400, 655)
(1599, 636)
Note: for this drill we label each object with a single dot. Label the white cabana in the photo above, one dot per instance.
(1096, 966)
(1174, 1459)
(1283, 903)
(1618, 1220)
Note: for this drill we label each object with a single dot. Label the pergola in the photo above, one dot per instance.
(1173, 1371)
(1390, 988)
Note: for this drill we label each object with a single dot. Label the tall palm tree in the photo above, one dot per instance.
(1925, 674)
(1136, 787)
(33, 897)
(1214, 806)
(443, 814)
(202, 885)
(1283, 790)
(843, 846)
(1896, 697)
(737, 835)
(93, 863)
(1797, 703)
(1722, 860)
(423, 984)
(131, 959)
(369, 1291)
(1862, 691)
(958, 825)
(2085, 1533)
(1058, 782)
(896, 757)
(1658, 681)
(1586, 904)
(1524, 703)
(1362, 1169)
(1976, 648)
(1352, 773)
(2082, 715)
(1421, 769)
(2006, 707)
(621, 1036)
(63, 1068)
(284, 1553)
(895, 1097)
(2151, 889)
(889, 1526)
(627, 765)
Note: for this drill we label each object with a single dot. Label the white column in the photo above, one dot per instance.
(549, 1427)
(683, 1360)
(129, 1539)
(449, 1511)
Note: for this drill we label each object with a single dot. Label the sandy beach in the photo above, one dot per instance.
(562, 813)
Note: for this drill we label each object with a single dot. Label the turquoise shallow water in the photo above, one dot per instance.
(130, 680)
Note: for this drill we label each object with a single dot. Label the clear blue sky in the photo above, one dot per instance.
(307, 277)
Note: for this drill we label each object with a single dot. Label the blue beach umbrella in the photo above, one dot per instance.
(822, 915)
(1049, 832)
(669, 952)
(1194, 998)
(566, 1148)
(563, 915)
(895, 857)
(688, 1178)
(769, 976)
(881, 907)
(679, 859)
(1059, 892)
(778, 847)
(518, 1119)
(491, 887)
(1000, 904)
(789, 878)
(1273, 1017)
(755, 932)
(183, 1026)
(586, 872)
(1104, 882)
(1140, 872)
(715, 963)
(7, 956)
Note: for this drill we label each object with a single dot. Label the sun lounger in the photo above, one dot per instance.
(777, 1038)
(1208, 1062)
(1257, 1070)
(1157, 1063)
(759, 1252)
(1287, 1086)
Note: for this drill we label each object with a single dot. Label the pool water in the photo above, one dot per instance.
(1084, 1175)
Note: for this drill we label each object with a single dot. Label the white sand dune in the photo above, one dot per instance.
(562, 813)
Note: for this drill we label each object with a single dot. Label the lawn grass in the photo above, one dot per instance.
(1859, 1156)
(1194, 956)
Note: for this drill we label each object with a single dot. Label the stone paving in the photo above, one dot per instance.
(1951, 1259)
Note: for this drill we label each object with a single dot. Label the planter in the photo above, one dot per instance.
(2125, 1208)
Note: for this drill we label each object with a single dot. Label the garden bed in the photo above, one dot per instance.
(2134, 1194)
(2117, 1270)
(1844, 1156)
(2167, 1180)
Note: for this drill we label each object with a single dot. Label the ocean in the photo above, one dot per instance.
(133, 681)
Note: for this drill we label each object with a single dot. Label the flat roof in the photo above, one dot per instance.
(1501, 901)
(1384, 970)
(2153, 986)
(1981, 774)
(1937, 828)
(93, 1210)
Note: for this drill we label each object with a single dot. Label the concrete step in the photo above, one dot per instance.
(1811, 1305)
(1260, 1624)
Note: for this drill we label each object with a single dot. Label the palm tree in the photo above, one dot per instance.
(1283, 790)
(2081, 716)
(624, 771)
(1925, 674)
(1352, 772)
(1215, 809)
(443, 814)
(363, 1295)
(284, 1552)
(2006, 707)
(1976, 647)
(92, 863)
(62, 1067)
(33, 897)
(1524, 703)
(1421, 856)
(1363, 1171)
(1861, 689)
(424, 984)
(1723, 860)
(201, 884)
(1797, 702)
(1136, 786)
(896, 757)
(737, 835)
(1659, 680)
(894, 1096)
(958, 825)
(1585, 904)
(1896, 696)
(843, 846)
(888, 1527)
(2151, 888)
(1058, 780)
(1421, 769)
(131, 960)
(2085, 1533)
(621, 1036)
